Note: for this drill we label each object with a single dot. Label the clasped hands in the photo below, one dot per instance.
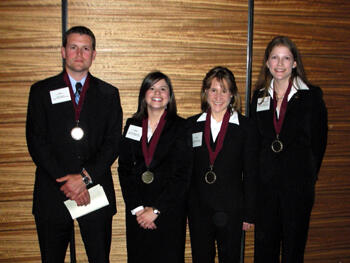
(247, 226)
(145, 218)
(75, 189)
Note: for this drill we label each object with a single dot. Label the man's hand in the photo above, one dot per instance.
(83, 198)
(73, 186)
(247, 226)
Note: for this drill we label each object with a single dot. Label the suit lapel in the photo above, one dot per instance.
(265, 119)
(229, 141)
(294, 110)
(66, 108)
(229, 136)
(90, 102)
(230, 133)
(199, 127)
(165, 143)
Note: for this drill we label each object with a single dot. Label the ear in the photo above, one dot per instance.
(294, 64)
(94, 55)
(63, 52)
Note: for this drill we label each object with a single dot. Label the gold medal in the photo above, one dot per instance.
(77, 133)
(147, 177)
(210, 177)
(277, 146)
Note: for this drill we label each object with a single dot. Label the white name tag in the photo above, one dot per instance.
(197, 139)
(263, 104)
(134, 133)
(60, 95)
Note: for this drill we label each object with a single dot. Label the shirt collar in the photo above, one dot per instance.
(298, 84)
(233, 118)
(73, 82)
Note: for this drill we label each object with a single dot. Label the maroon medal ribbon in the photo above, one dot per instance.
(221, 136)
(148, 152)
(278, 123)
(77, 108)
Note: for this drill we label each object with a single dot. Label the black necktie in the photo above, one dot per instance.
(78, 88)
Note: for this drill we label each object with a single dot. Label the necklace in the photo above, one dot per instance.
(279, 98)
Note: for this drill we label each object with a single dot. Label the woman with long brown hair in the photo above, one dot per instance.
(291, 119)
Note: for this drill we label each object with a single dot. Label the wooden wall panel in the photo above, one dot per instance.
(29, 45)
(183, 38)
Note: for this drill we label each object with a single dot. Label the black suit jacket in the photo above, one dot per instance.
(56, 154)
(304, 137)
(235, 166)
(171, 166)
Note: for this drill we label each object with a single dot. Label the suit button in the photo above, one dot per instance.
(79, 157)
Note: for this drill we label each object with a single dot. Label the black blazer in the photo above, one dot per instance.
(171, 166)
(235, 167)
(304, 137)
(56, 154)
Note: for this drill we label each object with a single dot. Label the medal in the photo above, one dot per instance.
(210, 176)
(277, 145)
(147, 177)
(77, 133)
(148, 152)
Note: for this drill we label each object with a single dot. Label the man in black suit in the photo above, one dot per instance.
(73, 130)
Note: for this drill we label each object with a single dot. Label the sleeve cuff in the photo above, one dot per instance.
(135, 210)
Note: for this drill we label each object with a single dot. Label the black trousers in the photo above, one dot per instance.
(166, 244)
(207, 227)
(54, 236)
(282, 224)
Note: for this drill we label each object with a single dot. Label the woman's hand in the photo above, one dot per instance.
(145, 218)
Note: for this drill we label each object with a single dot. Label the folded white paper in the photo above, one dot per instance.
(98, 200)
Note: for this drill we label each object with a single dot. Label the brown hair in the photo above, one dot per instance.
(147, 83)
(82, 30)
(223, 75)
(265, 76)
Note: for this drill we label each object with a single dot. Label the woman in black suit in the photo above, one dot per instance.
(291, 118)
(222, 188)
(154, 167)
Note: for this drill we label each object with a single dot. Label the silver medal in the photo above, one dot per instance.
(77, 133)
